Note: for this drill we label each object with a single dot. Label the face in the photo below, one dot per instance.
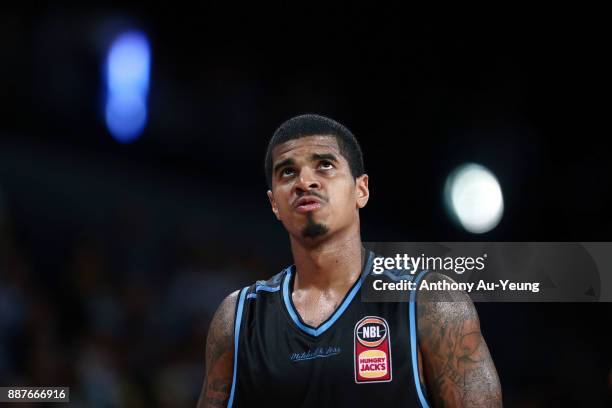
(313, 192)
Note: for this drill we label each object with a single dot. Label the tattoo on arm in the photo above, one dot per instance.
(219, 356)
(458, 368)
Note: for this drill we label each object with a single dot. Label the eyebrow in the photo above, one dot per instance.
(286, 162)
(324, 156)
(314, 157)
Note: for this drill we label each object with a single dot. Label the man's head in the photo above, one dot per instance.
(314, 168)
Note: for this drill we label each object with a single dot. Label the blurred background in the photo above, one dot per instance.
(132, 191)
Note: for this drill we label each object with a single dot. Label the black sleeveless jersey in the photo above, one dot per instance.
(363, 355)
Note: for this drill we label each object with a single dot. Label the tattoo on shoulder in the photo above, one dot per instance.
(459, 370)
(219, 356)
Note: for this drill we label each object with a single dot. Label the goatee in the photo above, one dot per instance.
(314, 229)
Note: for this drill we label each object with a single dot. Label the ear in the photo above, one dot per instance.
(362, 191)
(273, 204)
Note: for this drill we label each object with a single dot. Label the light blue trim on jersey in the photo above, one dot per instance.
(264, 288)
(413, 342)
(267, 288)
(238, 320)
(345, 304)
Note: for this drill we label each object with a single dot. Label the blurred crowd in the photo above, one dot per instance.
(123, 320)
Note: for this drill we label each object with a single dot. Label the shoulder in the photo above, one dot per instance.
(439, 307)
(440, 295)
(222, 325)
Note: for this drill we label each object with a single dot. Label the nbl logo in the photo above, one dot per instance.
(372, 350)
(371, 331)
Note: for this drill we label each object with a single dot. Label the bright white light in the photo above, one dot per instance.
(128, 68)
(474, 198)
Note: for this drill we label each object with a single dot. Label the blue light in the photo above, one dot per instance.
(126, 116)
(128, 67)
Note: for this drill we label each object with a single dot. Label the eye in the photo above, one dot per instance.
(326, 165)
(287, 172)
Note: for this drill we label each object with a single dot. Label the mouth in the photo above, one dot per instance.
(307, 204)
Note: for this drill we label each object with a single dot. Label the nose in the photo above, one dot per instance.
(306, 181)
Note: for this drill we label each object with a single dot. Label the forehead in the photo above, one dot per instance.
(306, 146)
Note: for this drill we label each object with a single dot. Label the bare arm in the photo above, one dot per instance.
(458, 368)
(219, 356)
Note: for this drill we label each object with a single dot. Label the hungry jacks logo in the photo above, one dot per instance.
(372, 350)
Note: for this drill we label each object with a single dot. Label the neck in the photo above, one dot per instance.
(333, 262)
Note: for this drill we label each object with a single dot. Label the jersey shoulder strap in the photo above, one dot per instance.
(265, 286)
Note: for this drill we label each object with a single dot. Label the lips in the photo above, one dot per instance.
(307, 203)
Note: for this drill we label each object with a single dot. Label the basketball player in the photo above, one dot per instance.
(304, 338)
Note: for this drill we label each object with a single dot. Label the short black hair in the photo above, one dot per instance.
(311, 125)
